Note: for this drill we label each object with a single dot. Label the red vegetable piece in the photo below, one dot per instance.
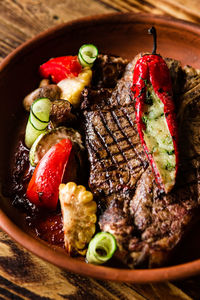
(43, 188)
(60, 68)
(153, 69)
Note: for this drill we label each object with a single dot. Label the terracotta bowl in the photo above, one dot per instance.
(120, 34)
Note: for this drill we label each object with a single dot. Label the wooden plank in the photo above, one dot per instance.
(134, 5)
(183, 9)
(22, 19)
(26, 276)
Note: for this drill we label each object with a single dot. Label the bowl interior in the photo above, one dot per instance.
(124, 35)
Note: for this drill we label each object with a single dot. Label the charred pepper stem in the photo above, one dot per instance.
(155, 116)
(152, 31)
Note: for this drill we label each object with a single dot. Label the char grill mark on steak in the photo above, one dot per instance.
(146, 223)
(112, 163)
(109, 138)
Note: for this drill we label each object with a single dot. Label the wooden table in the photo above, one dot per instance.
(22, 274)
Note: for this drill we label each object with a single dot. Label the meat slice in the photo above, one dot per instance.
(107, 70)
(110, 135)
(146, 223)
(113, 165)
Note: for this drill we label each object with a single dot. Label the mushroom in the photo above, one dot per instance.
(50, 91)
(44, 82)
(62, 113)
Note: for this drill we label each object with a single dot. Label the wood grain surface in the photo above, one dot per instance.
(22, 274)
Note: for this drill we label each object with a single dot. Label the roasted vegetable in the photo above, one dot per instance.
(48, 139)
(62, 113)
(38, 120)
(79, 216)
(60, 68)
(44, 184)
(87, 55)
(44, 82)
(101, 248)
(155, 116)
(71, 88)
(50, 91)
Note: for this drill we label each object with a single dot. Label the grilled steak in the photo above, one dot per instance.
(146, 223)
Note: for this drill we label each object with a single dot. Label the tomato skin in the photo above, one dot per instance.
(152, 68)
(43, 188)
(60, 68)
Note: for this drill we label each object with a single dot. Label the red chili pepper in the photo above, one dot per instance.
(43, 188)
(60, 68)
(153, 69)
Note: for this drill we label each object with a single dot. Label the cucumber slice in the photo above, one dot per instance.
(46, 140)
(101, 248)
(38, 120)
(40, 111)
(31, 134)
(36, 123)
(87, 55)
(33, 151)
(83, 63)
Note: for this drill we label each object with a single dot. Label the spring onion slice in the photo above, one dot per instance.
(101, 248)
(87, 55)
(38, 120)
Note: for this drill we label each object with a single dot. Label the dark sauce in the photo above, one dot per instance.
(42, 223)
(48, 227)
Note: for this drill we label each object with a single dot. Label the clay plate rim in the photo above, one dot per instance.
(58, 258)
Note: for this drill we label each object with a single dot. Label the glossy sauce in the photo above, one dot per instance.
(44, 224)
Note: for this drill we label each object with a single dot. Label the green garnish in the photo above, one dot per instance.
(167, 141)
(169, 166)
(144, 119)
(101, 248)
(170, 152)
(87, 55)
(38, 120)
